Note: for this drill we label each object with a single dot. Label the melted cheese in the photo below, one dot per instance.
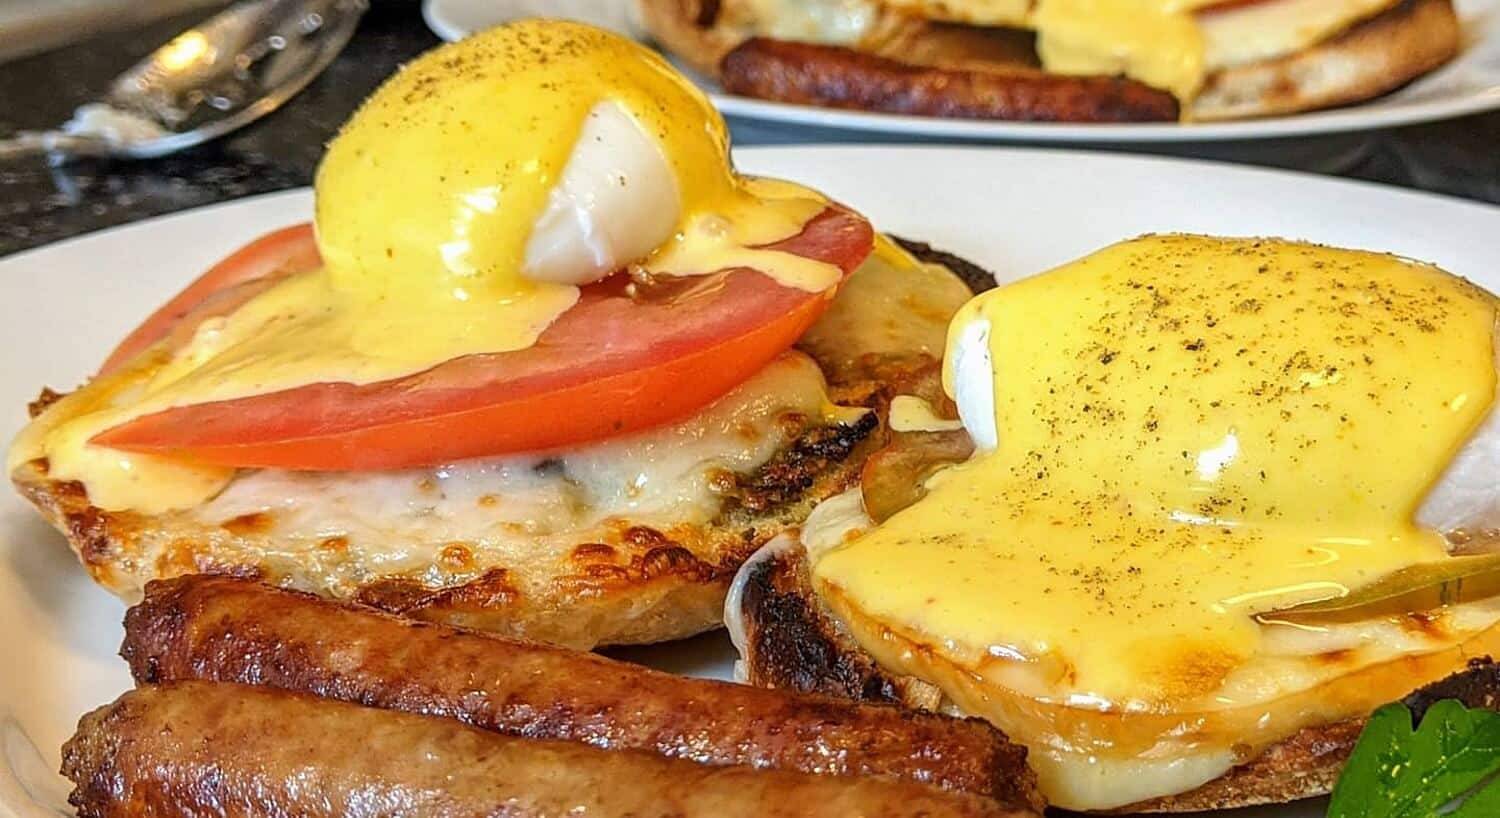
(1190, 431)
(1175, 44)
(910, 413)
(1240, 34)
(892, 306)
(426, 205)
(518, 509)
(837, 22)
(114, 479)
(1169, 44)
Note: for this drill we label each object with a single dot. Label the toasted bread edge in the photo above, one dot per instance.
(792, 642)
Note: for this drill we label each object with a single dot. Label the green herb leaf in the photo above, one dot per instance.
(1398, 772)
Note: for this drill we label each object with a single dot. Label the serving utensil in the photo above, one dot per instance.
(1422, 587)
(217, 77)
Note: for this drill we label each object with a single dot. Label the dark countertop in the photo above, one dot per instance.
(40, 204)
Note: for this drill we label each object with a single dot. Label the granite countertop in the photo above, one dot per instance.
(40, 204)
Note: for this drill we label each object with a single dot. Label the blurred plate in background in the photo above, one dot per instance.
(1470, 84)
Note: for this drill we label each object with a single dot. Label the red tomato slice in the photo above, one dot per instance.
(220, 290)
(608, 365)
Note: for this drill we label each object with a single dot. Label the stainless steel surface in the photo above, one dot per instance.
(240, 65)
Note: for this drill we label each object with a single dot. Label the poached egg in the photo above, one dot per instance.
(1178, 437)
(458, 213)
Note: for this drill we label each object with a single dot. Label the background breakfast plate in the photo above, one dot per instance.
(1470, 84)
(1017, 212)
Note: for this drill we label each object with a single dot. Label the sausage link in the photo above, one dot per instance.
(233, 751)
(232, 630)
(836, 77)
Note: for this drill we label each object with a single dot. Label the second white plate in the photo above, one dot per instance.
(1470, 84)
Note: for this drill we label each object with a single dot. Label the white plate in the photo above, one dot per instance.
(1017, 212)
(1469, 84)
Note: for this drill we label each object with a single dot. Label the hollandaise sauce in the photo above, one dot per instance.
(1177, 44)
(1158, 42)
(430, 206)
(1189, 431)
(1155, 41)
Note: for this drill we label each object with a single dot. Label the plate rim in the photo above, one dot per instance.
(754, 151)
(1313, 123)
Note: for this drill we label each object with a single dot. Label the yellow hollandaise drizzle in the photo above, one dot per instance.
(1158, 42)
(1190, 431)
(1155, 41)
(1176, 45)
(446, 168)
(425, 204)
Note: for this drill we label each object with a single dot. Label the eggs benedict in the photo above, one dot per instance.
(533, 369)
(1062, 60)
(1226, 497)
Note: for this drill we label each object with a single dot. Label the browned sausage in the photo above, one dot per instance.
(232, 630)
(200, 749)
(837, 77)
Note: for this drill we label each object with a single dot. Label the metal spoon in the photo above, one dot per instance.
(240, 65)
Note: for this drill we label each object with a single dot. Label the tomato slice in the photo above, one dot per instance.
(610, 364)
(224, 287)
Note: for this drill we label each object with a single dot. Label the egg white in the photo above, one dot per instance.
(974, 383)
(1467, 496)
(617, 200)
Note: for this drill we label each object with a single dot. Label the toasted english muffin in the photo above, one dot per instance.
(788, 639)
(1375, 57)
(627, 541)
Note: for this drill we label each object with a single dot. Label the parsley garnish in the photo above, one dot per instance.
(1396, 771)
